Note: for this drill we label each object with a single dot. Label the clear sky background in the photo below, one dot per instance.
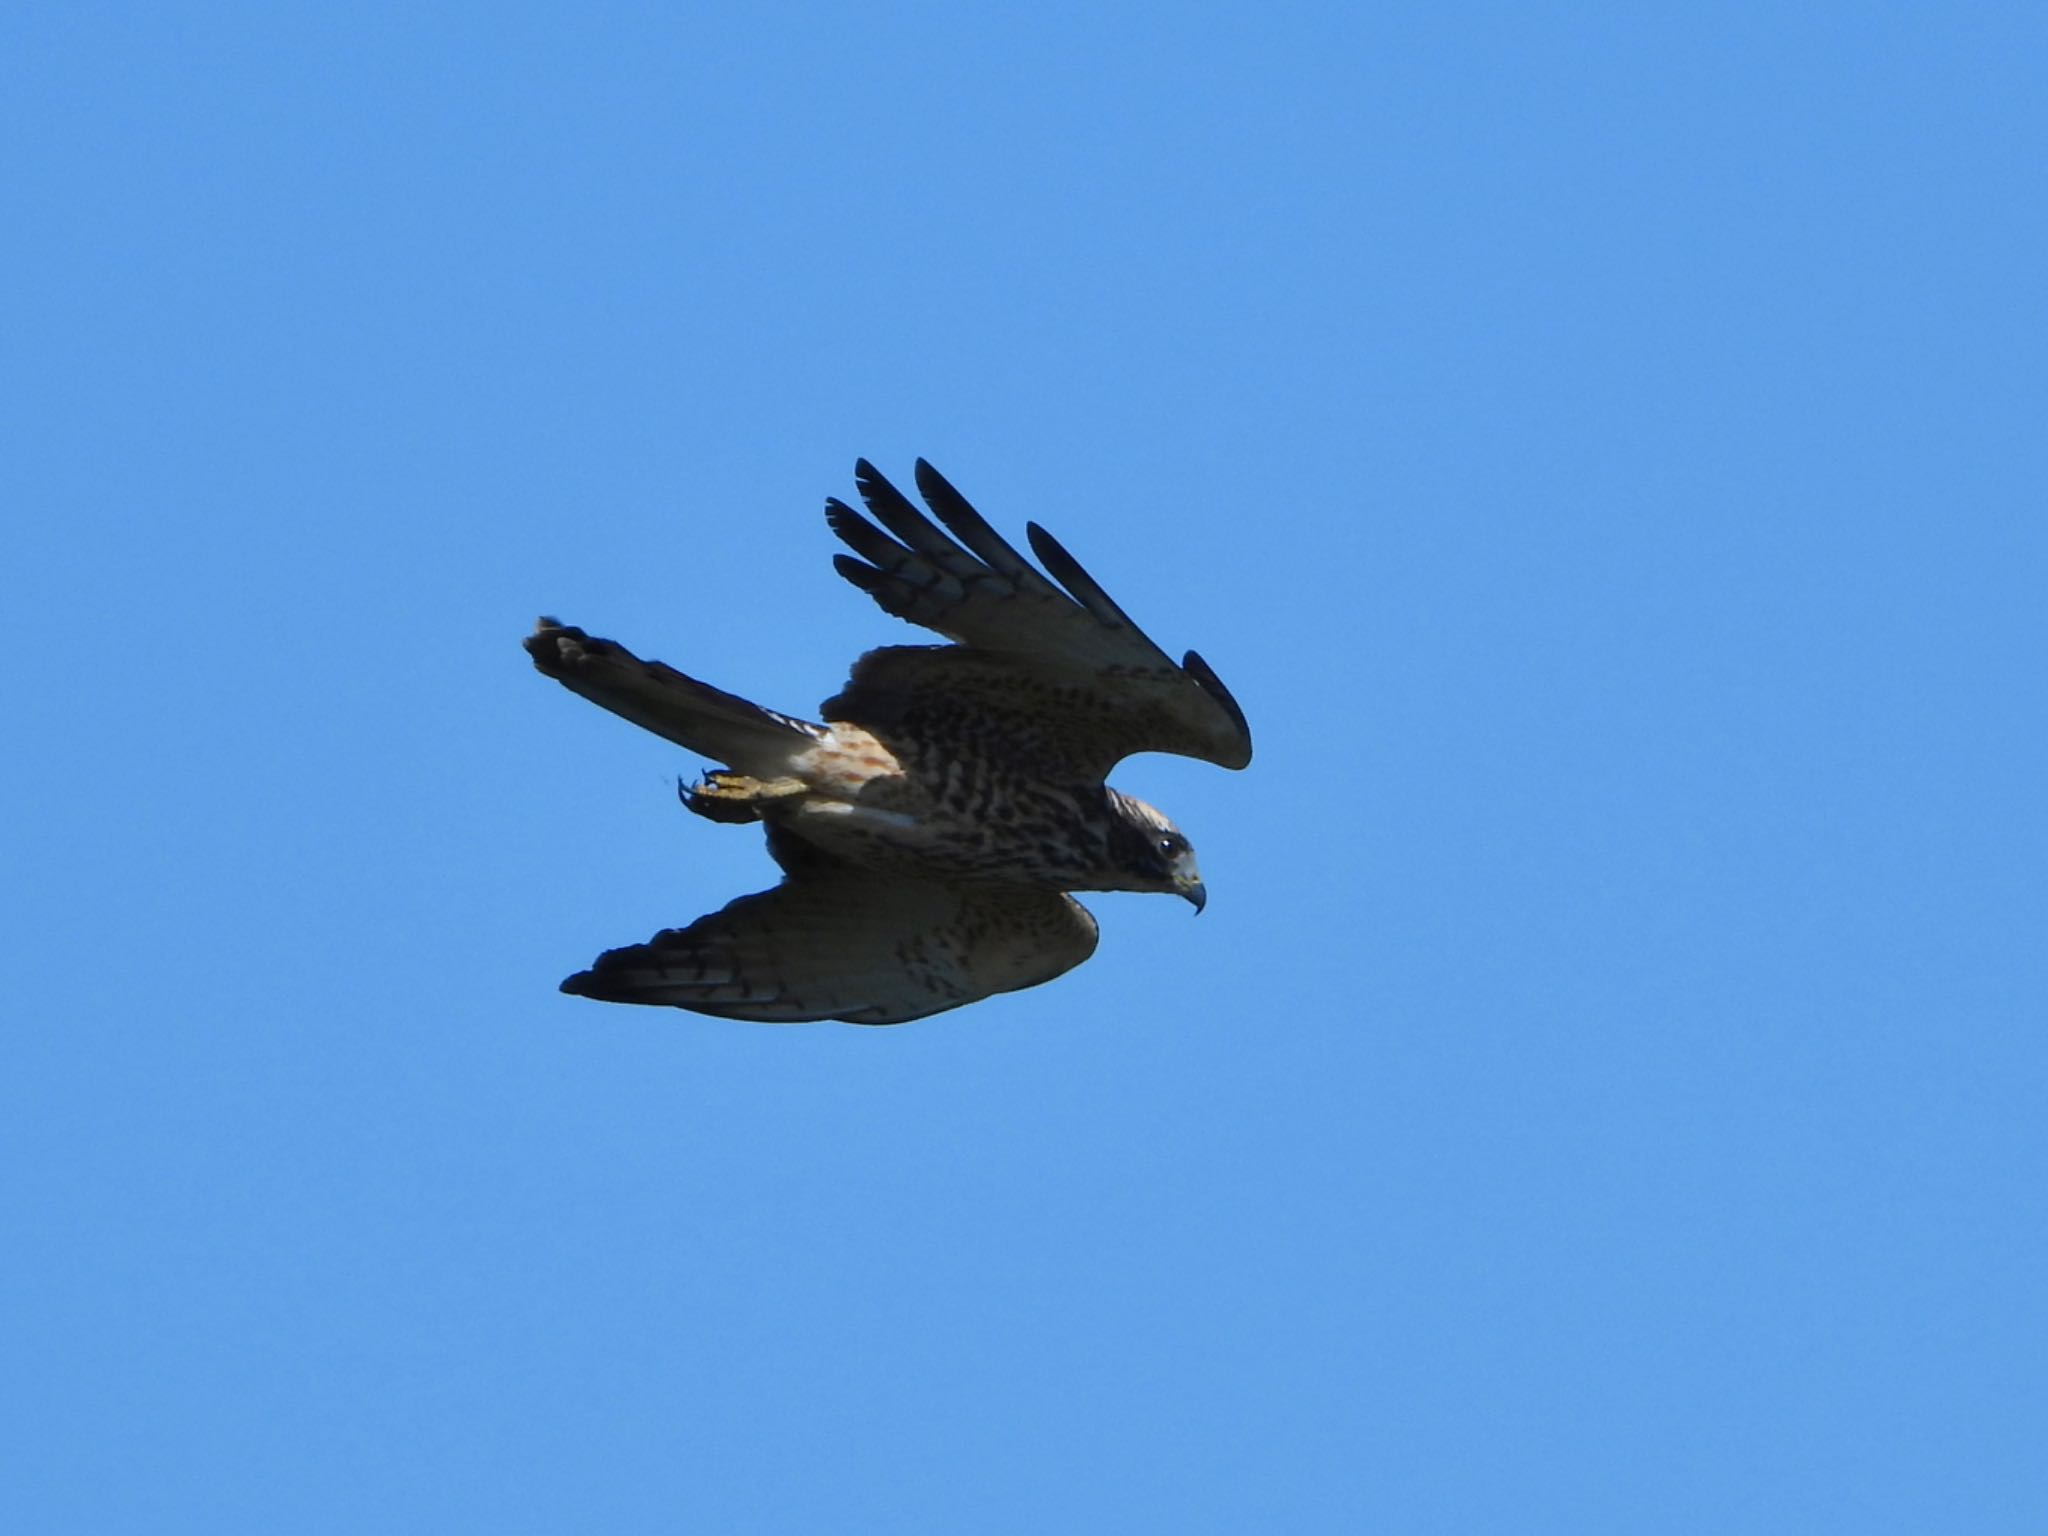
(1603, 447)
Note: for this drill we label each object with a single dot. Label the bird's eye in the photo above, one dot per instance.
(1169, 846)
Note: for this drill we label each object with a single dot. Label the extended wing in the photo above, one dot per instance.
(1068, 668)
(837, 942)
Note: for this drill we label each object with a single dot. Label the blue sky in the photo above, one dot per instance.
(1603, 451)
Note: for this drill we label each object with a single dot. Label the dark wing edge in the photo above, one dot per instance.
(1088, 592)
(836, 942)
(1205, 678)
(975, 589)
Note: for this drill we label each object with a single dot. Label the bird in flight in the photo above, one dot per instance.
(931, 827)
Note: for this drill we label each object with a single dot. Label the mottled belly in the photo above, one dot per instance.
(871, 809)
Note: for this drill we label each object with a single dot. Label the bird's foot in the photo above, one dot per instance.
(735, 797)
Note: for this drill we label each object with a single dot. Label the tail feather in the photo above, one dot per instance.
(705, 720)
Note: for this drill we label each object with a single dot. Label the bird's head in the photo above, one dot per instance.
(1151, 853)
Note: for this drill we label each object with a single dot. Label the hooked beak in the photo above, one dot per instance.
(1194, 891)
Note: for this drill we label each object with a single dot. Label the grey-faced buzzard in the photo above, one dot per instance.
(930, 828)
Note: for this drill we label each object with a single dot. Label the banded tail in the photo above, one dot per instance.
(658, 698)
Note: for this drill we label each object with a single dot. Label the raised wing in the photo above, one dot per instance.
(1119, 691)
(836, 942)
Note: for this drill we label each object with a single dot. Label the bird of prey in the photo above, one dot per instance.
(931, 826)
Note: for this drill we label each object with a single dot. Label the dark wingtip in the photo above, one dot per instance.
(580, 984)
(1066, 570)
(838, 514)
(862, 575)
(1206, 679)
(891, 507)
(869, 481)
